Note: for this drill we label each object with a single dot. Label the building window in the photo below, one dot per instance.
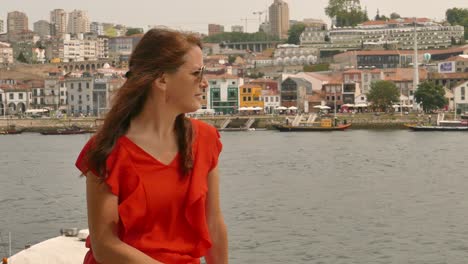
(71, 86)
(244, 99)
(249, 90)
(277, 99)
(87, 97)
(87, 85)
(250, 99)
(244, 90)
(11, 96)
(72, 98)
(338, 98)
(362, 98)
(79, 86)
(328, 98)
(266, 99)
(233, 82)
(20, 96)
(463, 93)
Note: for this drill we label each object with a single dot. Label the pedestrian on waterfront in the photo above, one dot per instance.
(152, 180)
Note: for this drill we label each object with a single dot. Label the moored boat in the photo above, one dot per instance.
(11, 130)
(287, 128)
(65, 131)
(436, 128)
(441, 125)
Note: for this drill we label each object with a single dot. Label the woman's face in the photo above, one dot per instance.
(183, 89)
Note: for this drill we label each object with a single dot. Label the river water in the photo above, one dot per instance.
(357, 196)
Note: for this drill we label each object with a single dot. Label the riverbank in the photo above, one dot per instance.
(359, 121)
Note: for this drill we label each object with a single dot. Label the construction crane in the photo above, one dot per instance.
(259, 13)
(245, 21)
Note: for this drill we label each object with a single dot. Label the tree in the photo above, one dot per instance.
(383, 94)
(458, 16)
(22, 58)
(346, 12)
(316, 67)
(394, 15)
(431, 96)
(239, 37)
(111, 32)
(133, 31)
(294, 33)
(231, 59)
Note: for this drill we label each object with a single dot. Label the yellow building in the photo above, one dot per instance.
(250, 95)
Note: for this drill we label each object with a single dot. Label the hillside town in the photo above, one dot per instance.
(71, 66)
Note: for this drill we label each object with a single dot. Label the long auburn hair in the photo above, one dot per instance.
(159, 51)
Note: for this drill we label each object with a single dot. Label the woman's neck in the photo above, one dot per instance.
(156, 120)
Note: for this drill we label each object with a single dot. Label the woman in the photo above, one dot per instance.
(152, 176)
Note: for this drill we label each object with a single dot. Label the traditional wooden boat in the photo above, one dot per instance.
(287, 128)
(65, 131)
(10, 132)
(298, 125)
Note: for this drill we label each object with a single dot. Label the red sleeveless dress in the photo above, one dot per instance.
(161, 214)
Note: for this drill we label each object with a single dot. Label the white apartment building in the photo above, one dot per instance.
(430, 35)
(79, 95)
(461, 97)
(55, 93)
(16, 99)
(79, 49)
(289, 54)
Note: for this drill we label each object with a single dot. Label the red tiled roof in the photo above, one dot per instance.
(457, 58)
(394, 21)
(352, 71)
(455, 75)
(250, 85)
(221, 76)
(321, 77)
(403, 74)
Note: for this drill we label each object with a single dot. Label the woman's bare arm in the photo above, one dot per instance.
(218, 253)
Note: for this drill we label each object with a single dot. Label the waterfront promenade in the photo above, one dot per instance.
(359, 121)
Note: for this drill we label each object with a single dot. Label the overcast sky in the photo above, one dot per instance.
(195, 15)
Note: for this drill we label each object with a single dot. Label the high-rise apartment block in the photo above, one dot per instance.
(279, 19)
(58, 20)
(17, 22)
(78, 22)
(42, 28)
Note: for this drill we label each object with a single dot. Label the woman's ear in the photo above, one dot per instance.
(160, 83)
